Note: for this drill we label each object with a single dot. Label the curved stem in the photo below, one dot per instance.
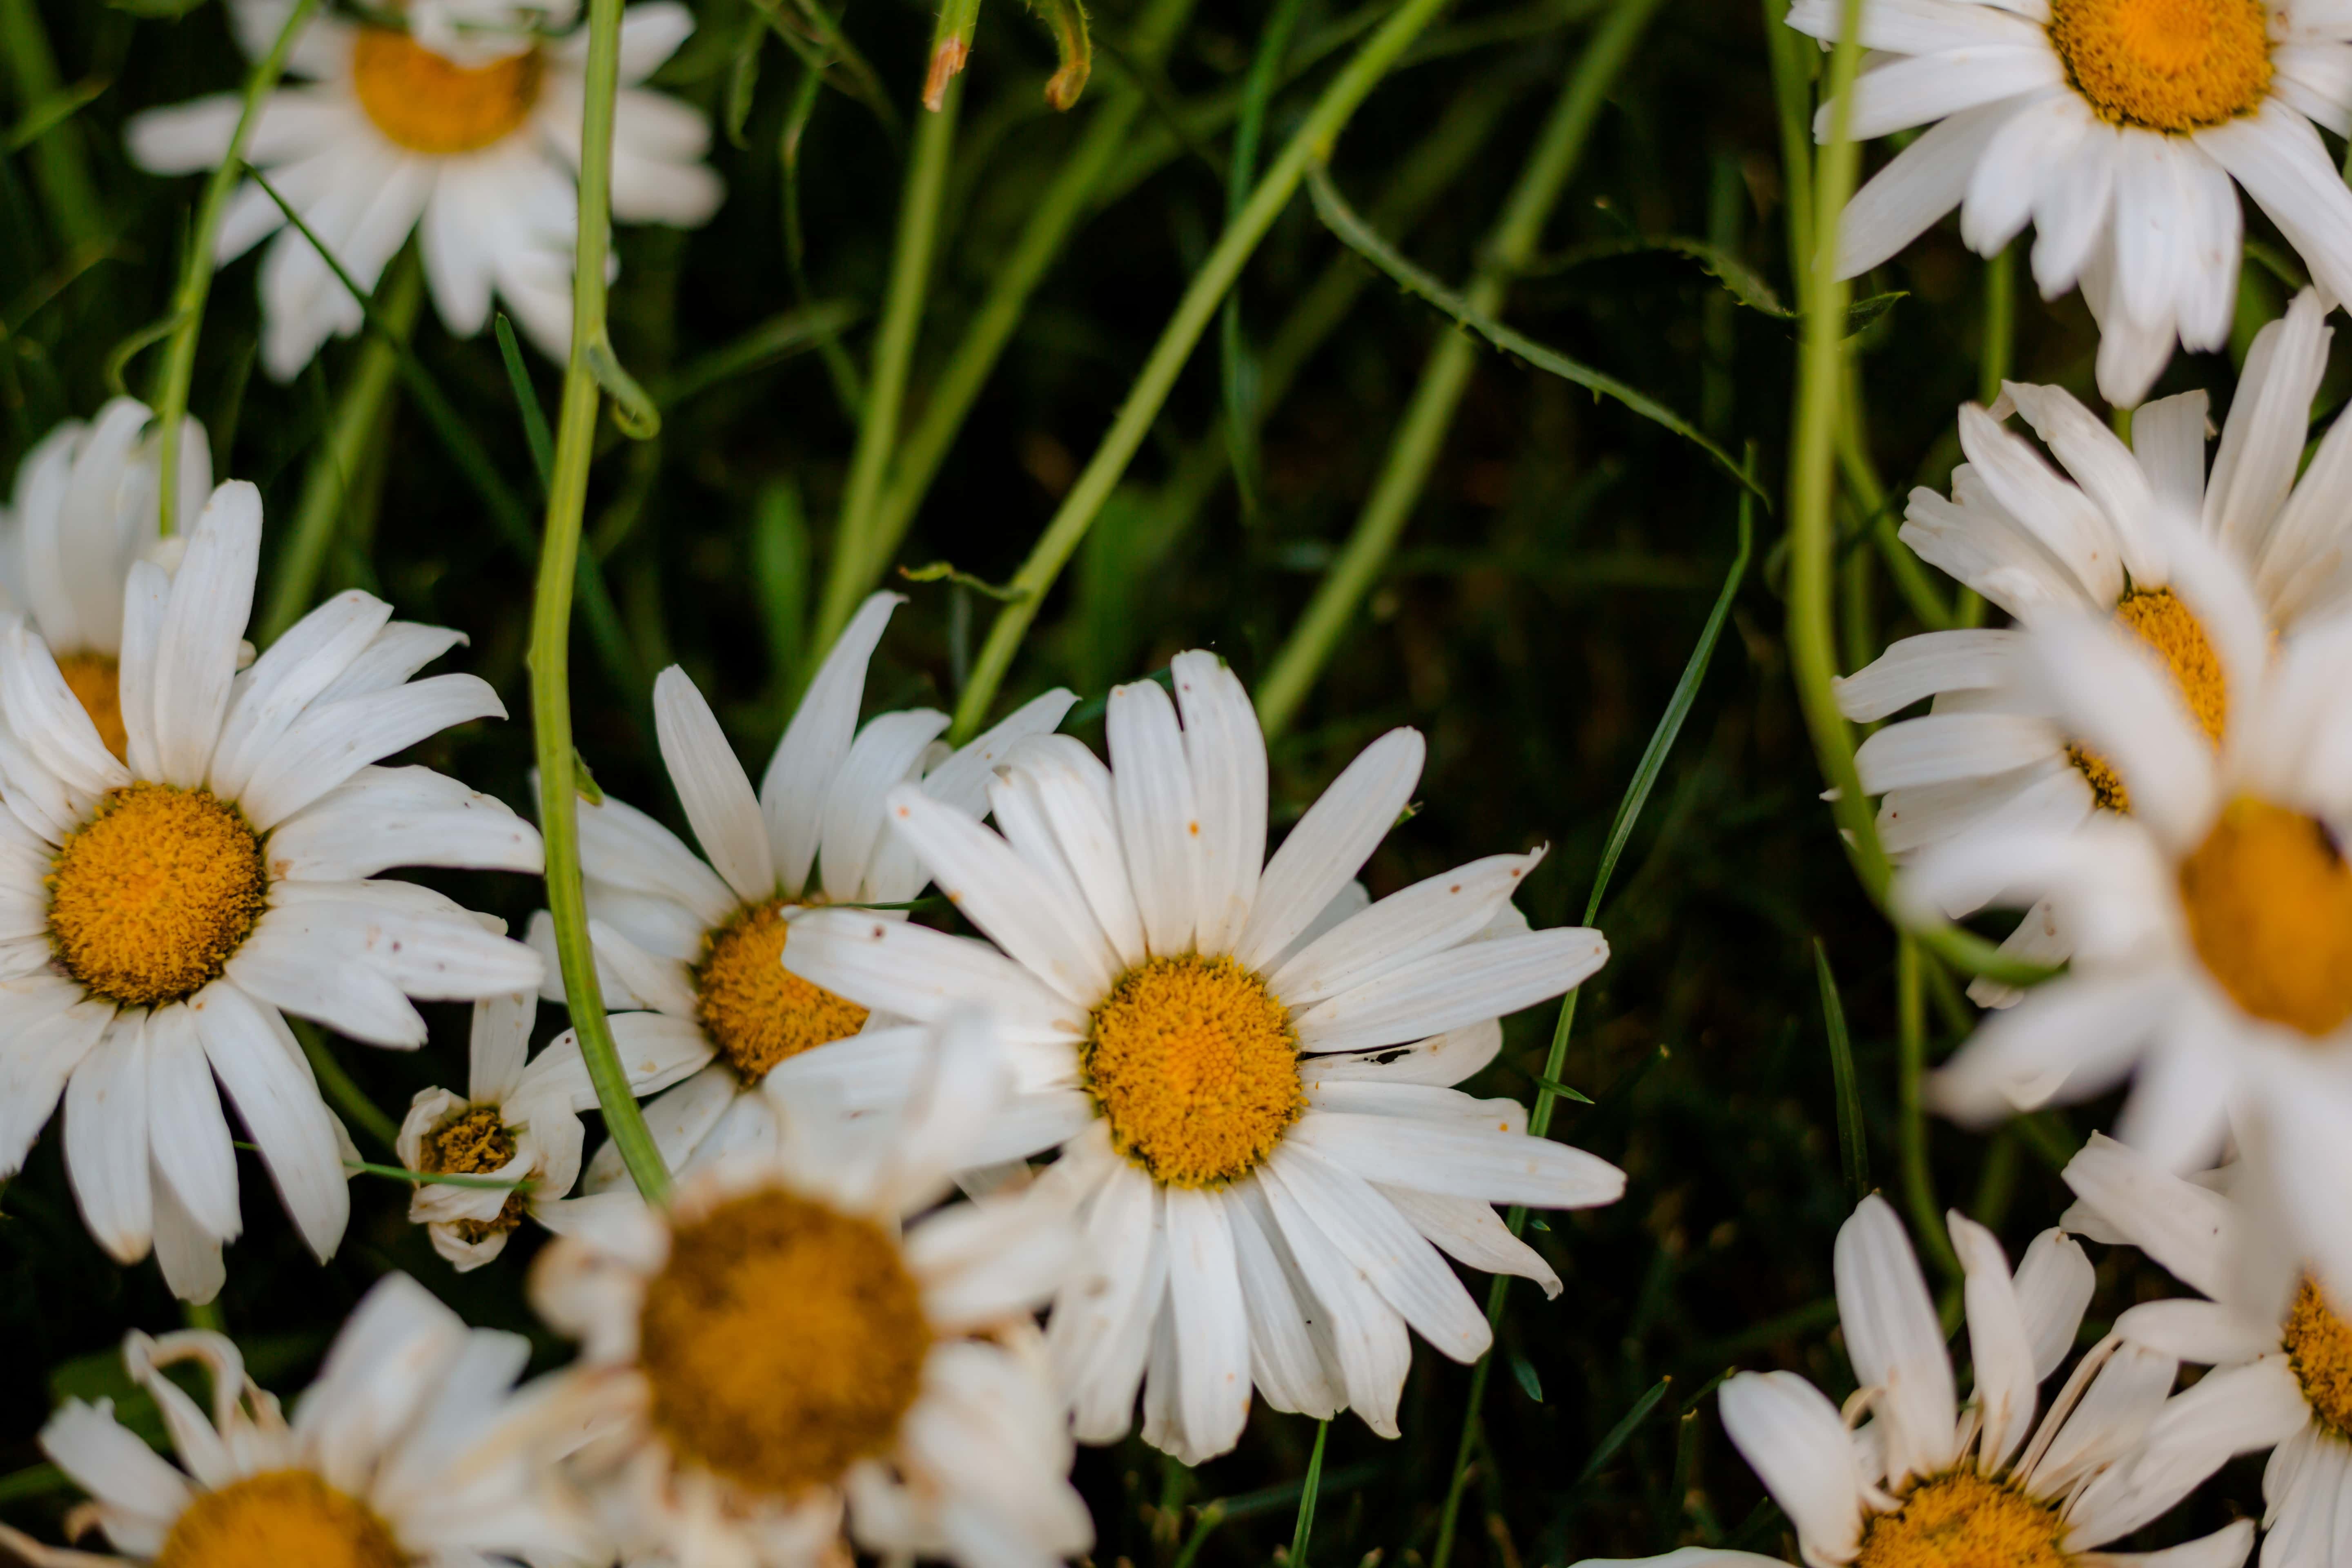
(187, 315)
(1310, 143)
(551, 698)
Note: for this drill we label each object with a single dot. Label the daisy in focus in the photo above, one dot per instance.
(518, 1121)
(2144, 536)
(771, 1357)
(2117, 128)
(1927, 1481)
(85, 507)
(1245, 1070)
(686, 948)
(164, 910)
(412, 1446)
(476, 149)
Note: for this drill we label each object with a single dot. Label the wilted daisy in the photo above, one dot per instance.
(1252, 1110)
(2141, 535)
(169, 910)
(477, 154)
(412, 1446)
(2117, 128)
(1927, 1481)
(771, 1351)
(687, 948)
(518, 1121)
(2212, 925)
(85, 507)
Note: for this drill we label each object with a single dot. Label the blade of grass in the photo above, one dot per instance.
(535, 418)
(59, 166)
(774, 340)
(1919, 1181)
(1618, 1435)
(1854, 1150)
(1303, 1530)
(1240, 393)
(1211, 1516)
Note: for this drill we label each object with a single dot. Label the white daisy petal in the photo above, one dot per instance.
(2053, 1284)
(1227, 753)
(106, 1141)
(1797, 1442)
(2180, 1225)
(887, 753)
(1429, 917)
(1460, 1161)
(1920, 185)
(920, 973)
(1159, 820)
(1368, 1231)
(1998, 1345)
(188, 1138)
(1918, 668)
(1331, 843)
(1368, 1336)
(1893, 1339)
(1447, 990)
(712, 787)
(1469, 1231)
(261, 1066)
(1210, 1323)
(792, 792)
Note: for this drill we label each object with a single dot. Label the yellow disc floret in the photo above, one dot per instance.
(151, 895)
(784, 1340)
(757, 1012)
(429, 103)
(95, 681)
(2319, 1348)
(2165, 65)
(2158, 618)
(276, 1518)
(1195, 1064)
(1962, 1520)
(2269, 902)
(476, 1141)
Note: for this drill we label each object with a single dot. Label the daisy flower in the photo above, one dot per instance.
(167, 911)
(1253, 1112)
(686, 948)
(413, 1445)
(2102, 538)
(518, 1120)
(2117, 128)
(2212, 926)
(1927, 1481)
(478, 154)
(772, 1351)
(2282, 1378)
(83, 510)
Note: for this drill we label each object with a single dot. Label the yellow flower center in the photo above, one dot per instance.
(2158, 618)
(428, 103)
(757, 1012)
(2319, 1348)
(476, 1142)
(1961, 1520)
(276, 1518)
(96, 684)
(2165, 65)
(1196, 1065)
(148, 899)
(784, 1340)
(2269, 902)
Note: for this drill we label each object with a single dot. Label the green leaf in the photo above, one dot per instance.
(1565, 1091)
(1740, 281)
(1524, 1371)
(1853, 1153)
(744, 79)
(534, 418)
(1609, 1445)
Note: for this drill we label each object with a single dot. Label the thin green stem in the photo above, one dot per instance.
(1303, 1531)
(856, 559)
(341, 1090)
(59, 168)
(1239, 378)
(1861, 474)
(551, 697)
(1312, 143)
(1919, 1181)
(1429, 417)
(359, 423)
(1792, 79)
(187, 317)
(2000, 323)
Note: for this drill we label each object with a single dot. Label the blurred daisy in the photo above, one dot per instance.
(2117, 128)
(2212, 925)
(412, 1446)
(686, 950)
(771, 1351)
(84, 509)
(2103, 537)
(158, 917)
(481, 151)
(518, 1122)
(1252, 1110)
(1927, 1481)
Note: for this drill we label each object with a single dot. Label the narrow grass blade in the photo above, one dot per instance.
(1304, 1529)
(1618, 1434)
(1853, 1153)
(534, 418)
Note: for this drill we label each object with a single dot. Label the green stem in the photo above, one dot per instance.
(1792, 76)
(359, 425)
(341, 1090)
(57, 163)
(2000, 323)
(1870, 494)
(1241, 399)
(1413, 450)
(1304, 1530)
(1919, 1181)
(551, 698)
(856, 556)
(1311, 142)
(187, 315)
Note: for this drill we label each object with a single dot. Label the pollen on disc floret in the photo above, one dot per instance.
(1195, 1063)
(150, 899)
(1964, 1520)
(757, 1012)
(428, 103)
(279, 1516)
(476, 1141)
(2158, 618)
(2165, 65)
(2268, 899)
(2319, 1348)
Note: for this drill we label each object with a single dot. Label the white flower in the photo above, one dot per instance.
(1926, 1480)
(1250, 1103)
(2212, 925)
(770, 1351)
(2116, 127)
(686, 954)
(413, 1445)
(2105, 539)
(518, 1121)
(156, 919)
(2281, 1355)
(478, 156)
